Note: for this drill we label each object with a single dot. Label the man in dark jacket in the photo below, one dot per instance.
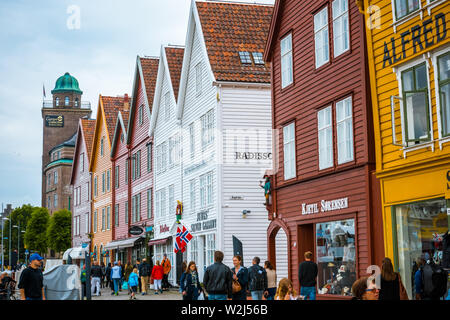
(307, 274)
(217, 279)
(257, 279)
(96, 275)
(144, 273)
(31, 283)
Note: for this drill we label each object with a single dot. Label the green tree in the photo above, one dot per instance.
(19, 217)
(36, 233)
(59, 233)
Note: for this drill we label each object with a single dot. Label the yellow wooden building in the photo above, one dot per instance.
(408, 43)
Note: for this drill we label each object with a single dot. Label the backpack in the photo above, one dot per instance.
(434, 279)
(258, 279)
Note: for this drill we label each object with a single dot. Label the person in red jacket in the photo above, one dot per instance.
(157, 276)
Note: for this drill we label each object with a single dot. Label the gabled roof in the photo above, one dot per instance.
(121, 124)
(85, 133)
(171, 62)
(229, 28)
(273, 25)
(145, 73)
(108, 110)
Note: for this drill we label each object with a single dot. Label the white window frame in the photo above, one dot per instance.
(287, 62)
(149, 203)
(116, 214)
(126, 212)
(95, 222)
(325, 127)
(347, 122)
(55, 200)
(55, 177)
(340, 17)
(163, 202)
(202, 191)
(192, 139)
(141, 114)
(289, 151)
(399, 21)
(108, 217)
(321, 29)
(208, 125)
(103, 219)
(158, 203)
(87, 224)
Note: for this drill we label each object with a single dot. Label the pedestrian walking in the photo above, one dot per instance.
(133, 283)
(165, 263)
(96, 276)
(391, 283)
(257, 278)
(418, 276)
(83, 278)
(184, 266)
(240, 279)
(144, 273)
(307, 274)
(116, 275)
(285, 290)
(31, 283)
(218, 279)
(271, 281)
(102, 280)
(109, 281)
(121, 274)
(361, 290)
(157, 276)
(136, 265)
(190, 283)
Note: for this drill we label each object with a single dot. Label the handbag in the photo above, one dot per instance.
(125, 285)
(236, 286)
(403, 293)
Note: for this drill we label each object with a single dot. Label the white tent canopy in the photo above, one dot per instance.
(121, 244)
(75, 253)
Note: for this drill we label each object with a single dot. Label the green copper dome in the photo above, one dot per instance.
(67, 83)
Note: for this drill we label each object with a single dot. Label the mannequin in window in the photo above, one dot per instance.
(179, 211)
(267, 190)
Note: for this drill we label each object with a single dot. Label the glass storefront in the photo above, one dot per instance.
(336, 255)
(419, 229)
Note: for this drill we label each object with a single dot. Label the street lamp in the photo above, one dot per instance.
(3, 251)
(18, 241)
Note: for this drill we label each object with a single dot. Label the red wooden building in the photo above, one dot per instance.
(325, 197)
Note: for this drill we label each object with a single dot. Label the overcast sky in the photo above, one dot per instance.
(40, 41)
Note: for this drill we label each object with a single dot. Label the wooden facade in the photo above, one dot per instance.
(301, 203)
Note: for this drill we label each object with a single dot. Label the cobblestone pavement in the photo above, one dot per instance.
(166, 295)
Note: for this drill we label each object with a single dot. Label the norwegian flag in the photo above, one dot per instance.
(183, 237)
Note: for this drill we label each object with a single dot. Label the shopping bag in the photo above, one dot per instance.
(125, 285)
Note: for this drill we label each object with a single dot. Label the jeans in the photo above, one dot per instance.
(34, 298)
(272, 292)
(157, 284)
(257, 295)
(95, 283)
(308, 292)
(217, 297)
(116, 285)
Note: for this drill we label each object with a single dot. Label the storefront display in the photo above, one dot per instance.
(335, 247)
(420, 229)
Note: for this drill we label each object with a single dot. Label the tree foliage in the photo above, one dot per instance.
(36, 232)
(59, 231)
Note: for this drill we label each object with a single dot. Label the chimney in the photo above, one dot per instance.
(126, 102)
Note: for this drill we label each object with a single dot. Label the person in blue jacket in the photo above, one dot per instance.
(190, 283)
(240, 273)
(133, 282)
(115, 277)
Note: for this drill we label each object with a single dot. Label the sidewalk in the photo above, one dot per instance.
(166, 295)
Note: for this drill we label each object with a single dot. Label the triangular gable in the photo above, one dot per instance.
(121, 125)
(273, 25)
(85, 132)
(169, 70)
(194, 26)
(145, 75)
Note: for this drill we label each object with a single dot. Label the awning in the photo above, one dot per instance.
(159, 241)
(120, 244)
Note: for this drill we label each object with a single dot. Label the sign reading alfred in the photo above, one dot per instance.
(325, 206)
(54, 121)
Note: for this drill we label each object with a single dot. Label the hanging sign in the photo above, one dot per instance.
(135, 230)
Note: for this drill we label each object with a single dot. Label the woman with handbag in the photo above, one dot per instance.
(240, 279)
(190, 283)
(391, 283)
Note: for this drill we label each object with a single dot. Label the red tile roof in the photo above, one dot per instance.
(88, 127)
(112, 106)
(150, 72)
(229, 28)
(175, 62)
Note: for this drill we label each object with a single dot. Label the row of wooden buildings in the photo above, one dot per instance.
(343, 105)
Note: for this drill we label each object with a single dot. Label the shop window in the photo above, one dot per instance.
(405, 7)
(415, 104)
(117, 176)
(444, 91)
(321, 37)
(103, 219)
(210, 248)
(341, 35)
(108, 218)
(335, 249)
(95, 221)
(149, 156)
(149, 203)
(126, 212)
(192, 195)
(192, 140)
(420, 227)
(116, 215)
(287, 69)
(289, 151)
(57, 101)
(141, 114)
(325, 129)
(194, 249)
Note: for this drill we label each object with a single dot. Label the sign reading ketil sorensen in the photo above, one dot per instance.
(325, 206)
(54, 121)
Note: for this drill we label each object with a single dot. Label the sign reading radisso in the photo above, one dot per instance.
(325, 206)
(54, 121)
